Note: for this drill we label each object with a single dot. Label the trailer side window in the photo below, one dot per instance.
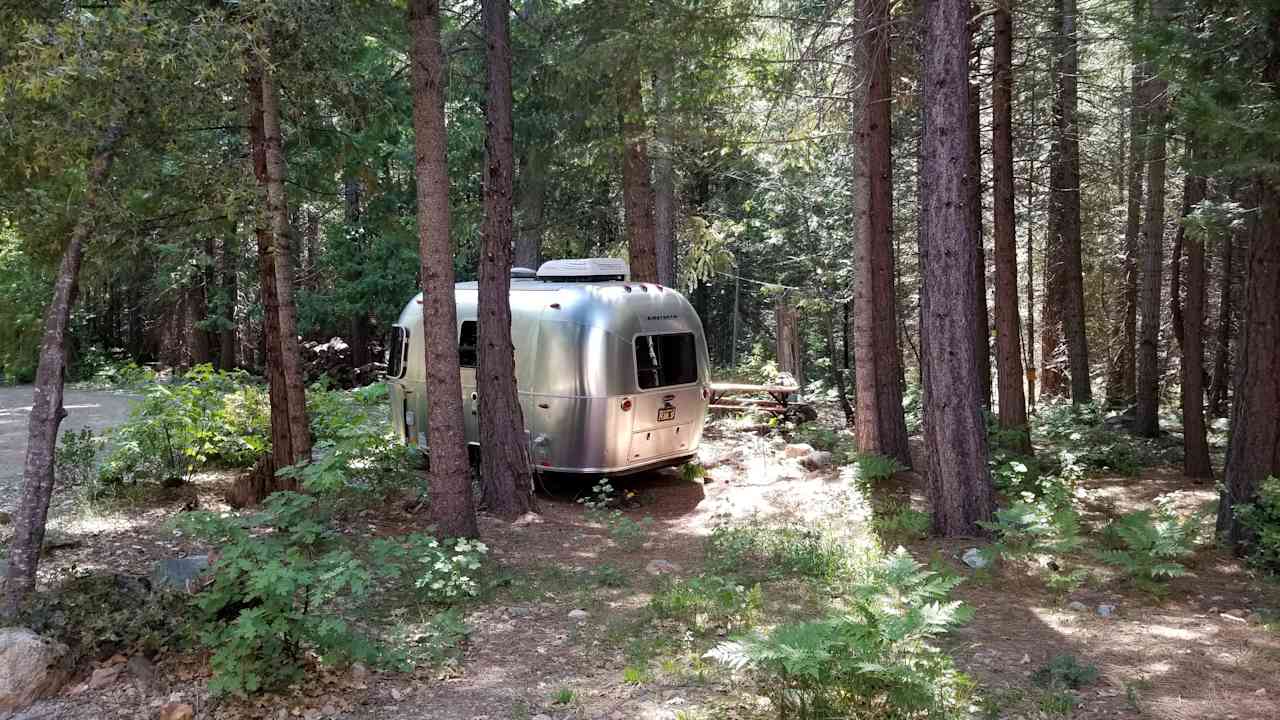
(395, 353)
(663, 360)
(469, 344)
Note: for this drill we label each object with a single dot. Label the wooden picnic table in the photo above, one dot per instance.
(780, 397)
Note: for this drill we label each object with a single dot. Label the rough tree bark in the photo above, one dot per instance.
(1221, 382)
(637, 190)
(228, 268)
(452, 507)
(1067, 201)
(880, 426)
(1254, 453)
(955, 435)
(505, 470)
(789, 354)
(1012, 403)
(982, 329)
(664, 186)
(46, 403)
(278, 215)
(250, 488)
(1121, 382)
(1195, 461)
(532, 202)
(1155, 99)
(837, 368)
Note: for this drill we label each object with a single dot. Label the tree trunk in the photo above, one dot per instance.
(1030, 344)
(1195, 446)
(637, 192)
(1012, 403)
(982, 329)
(229, 269)
(1155, 97)
(532, 206)
(837, 369)
(252, 487)
(1222, 346)
(505, 468)
(1066, 201)
(664, 186)
(955, 435)
(1254, 453)
(278, 215)
(452, 507)
(1121, 387)
(46, 403)
(790, 352)
(877, 360)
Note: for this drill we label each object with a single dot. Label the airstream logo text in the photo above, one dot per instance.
(660, 317)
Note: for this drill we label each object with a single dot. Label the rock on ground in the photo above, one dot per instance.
(179, 573)
(797, 450)
(177, 711)
(31, 667)
(661, 567)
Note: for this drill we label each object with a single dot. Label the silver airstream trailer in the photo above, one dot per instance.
(612, 374)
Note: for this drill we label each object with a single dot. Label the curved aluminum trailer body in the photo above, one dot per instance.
(612, 376)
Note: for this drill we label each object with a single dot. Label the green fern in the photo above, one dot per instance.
(1150, 544)
(874, 660)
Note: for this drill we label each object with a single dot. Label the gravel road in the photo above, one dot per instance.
(98, 409)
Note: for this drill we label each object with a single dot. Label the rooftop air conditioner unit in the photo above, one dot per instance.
(523, 273)
(584, 270)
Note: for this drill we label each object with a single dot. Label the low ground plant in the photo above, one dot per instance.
(755, 552)
(1065, 672)
(900, 523)
(870, 469)
(708, 602)
(1148, 544)
(287, 585)
(874, 659)
(1029, 527)
(1262, 519)
(821, 437)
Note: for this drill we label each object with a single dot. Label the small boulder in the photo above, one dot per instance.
(661, 567)
(31, 667)
(179, 573)
(144, 671)
(1106, 611)
(1077, 606)
(975, 558)
(816, 459)
(578, 614)
(797, 450)
(177, 711)
(104, 676)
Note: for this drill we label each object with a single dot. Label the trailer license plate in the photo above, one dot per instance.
(666, 413)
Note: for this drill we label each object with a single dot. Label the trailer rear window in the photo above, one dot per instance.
(664, 360)
(396, 350)
(469, 345)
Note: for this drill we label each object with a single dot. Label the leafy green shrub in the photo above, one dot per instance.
(901, 522)
(758, 552)
(1148, 544)
(692, 471)
(839, 444)
(1034, 528)
(874, 660)
(75, 461)
(1262, 519)
(98, 615)
(287, 579)
(870, 468)
(707, 601)
(205, 417)
(1065, 671)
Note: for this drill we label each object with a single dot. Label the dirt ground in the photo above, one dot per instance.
(1200, 652)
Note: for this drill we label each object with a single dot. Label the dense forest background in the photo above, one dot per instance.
(765, 158)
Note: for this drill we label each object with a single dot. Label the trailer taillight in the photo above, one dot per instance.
(626, 405)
